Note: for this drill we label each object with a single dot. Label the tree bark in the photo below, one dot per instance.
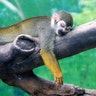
(22, 55)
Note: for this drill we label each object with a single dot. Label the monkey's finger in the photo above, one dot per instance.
(58, 81)
(55, 80)
(61, 81)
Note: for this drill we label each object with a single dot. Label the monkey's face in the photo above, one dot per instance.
(59, 25)
(60, 28)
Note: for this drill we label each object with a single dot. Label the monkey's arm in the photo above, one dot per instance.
(47, 44)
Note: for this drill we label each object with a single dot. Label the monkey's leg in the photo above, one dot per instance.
(51, 62)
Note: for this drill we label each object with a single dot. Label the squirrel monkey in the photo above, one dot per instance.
(46, 29)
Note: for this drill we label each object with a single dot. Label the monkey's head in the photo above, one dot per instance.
(61, 22)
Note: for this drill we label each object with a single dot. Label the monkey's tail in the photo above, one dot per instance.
(0, 29)
(3, 29)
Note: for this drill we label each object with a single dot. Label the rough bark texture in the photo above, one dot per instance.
(18, 58)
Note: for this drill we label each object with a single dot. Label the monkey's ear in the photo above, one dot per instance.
(55, 17)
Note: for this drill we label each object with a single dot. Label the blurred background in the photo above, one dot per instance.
(79, 69)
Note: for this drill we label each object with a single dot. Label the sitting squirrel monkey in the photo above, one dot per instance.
(46, 29)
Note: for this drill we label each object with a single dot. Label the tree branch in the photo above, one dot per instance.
(22, 55)
(80, 39)
(37, 86)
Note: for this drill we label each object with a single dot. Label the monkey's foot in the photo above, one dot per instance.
(58, 79)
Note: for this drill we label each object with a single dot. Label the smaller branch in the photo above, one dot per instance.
(40, 87)
(33, 84)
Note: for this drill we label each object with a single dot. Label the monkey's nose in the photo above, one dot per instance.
(61, 32)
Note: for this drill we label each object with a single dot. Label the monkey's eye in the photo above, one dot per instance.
(62, 25)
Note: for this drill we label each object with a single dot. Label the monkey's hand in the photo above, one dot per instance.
(51, 62)
(69, 28)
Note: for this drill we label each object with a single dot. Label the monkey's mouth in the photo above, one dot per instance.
(61, 32)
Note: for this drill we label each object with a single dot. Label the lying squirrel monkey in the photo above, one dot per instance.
(61, 23)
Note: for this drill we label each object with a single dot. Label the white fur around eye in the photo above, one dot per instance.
(60, 22)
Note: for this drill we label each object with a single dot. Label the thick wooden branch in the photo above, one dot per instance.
(18, 58)
(80, 39)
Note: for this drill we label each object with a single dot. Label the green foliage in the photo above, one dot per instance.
(87, 14)
(78, 69)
